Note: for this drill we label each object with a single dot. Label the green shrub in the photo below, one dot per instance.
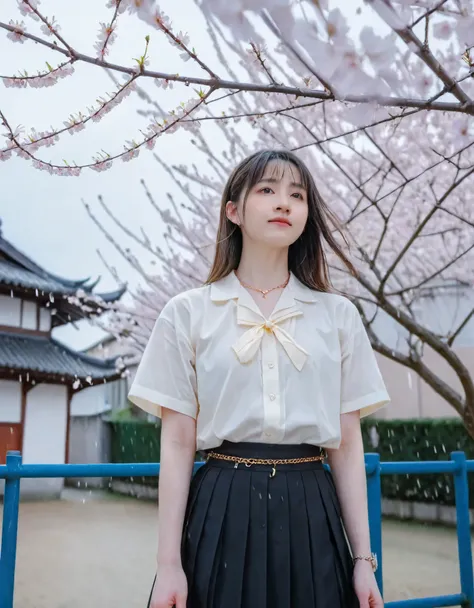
(420, 439)
(136, 441)
(395, 440)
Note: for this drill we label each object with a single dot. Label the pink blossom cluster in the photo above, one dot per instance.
(107, 36)
(50, 27)
(150, 13)
(373, 64)
(27, 7)
(45, 79)
(17, 35)
(59, 171)
(31, 144)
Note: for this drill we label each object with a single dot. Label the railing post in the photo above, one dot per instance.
(374, 498)
(461, 493)
(11, 505)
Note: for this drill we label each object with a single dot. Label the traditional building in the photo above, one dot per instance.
(38, 375)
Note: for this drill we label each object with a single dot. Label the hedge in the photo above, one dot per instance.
(420, 439)
(136, 441)
(394, 440)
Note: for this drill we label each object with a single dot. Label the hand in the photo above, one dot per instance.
(170, 588)
(365, 586)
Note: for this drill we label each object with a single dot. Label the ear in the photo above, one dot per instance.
(231, 212)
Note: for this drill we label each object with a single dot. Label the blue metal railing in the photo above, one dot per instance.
(458, 466)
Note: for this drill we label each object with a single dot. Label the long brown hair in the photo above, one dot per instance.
(306, 256)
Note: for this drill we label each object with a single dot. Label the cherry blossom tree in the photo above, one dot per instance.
(403, 192)
(422, 61)
(383, 119)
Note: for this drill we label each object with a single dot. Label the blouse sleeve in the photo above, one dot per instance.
(166, 374)
(362, 387)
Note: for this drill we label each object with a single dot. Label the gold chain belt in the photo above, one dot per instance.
(269, 461)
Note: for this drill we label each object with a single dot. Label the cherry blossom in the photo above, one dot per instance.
(443, 30)
(50, 27)
(107, 36)
(465, 30)
(101, 165)
(26, 8)
(5, 155)
(17, 35)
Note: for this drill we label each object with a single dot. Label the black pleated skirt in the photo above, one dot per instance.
(255, 541)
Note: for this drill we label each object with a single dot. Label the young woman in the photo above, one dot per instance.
(268, 371)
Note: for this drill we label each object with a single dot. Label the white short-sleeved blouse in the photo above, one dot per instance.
(287, 379)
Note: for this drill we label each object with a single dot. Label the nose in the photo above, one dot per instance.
(283, 207)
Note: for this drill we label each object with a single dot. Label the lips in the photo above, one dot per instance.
(280, 220)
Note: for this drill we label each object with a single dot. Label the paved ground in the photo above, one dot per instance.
(98, 551)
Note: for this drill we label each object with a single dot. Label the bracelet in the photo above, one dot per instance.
(372, 558)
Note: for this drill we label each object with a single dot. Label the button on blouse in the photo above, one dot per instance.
(286, 379)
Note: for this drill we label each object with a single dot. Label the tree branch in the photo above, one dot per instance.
(423, 52)
(401, 102)
(416, 364)
(453, 337)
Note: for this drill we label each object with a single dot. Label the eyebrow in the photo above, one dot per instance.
(272, 180)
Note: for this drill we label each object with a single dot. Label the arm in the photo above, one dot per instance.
(348, 470)
(178, 448)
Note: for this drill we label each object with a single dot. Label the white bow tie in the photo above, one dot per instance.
(248, 344)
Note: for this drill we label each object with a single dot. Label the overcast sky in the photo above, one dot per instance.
(43, 215)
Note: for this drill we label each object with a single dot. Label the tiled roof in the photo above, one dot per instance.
(47, 356)
(18, 270)
(12, 274)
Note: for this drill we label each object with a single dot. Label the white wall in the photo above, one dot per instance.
(10, 401)
(10, 309)
(30, 320)
(45, 425)
(90, 401)
(44, 439)
(45, 319)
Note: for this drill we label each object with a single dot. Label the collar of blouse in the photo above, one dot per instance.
(249, 315)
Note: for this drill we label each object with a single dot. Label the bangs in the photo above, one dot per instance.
(273, 165)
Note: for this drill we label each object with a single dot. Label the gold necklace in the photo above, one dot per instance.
(264, 292)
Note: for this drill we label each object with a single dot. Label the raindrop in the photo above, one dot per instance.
(260, 495)
(269, 496)
(225, 564)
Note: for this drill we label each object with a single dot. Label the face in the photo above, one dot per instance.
(276, 209)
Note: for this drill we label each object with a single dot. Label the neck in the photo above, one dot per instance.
(263, 269)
